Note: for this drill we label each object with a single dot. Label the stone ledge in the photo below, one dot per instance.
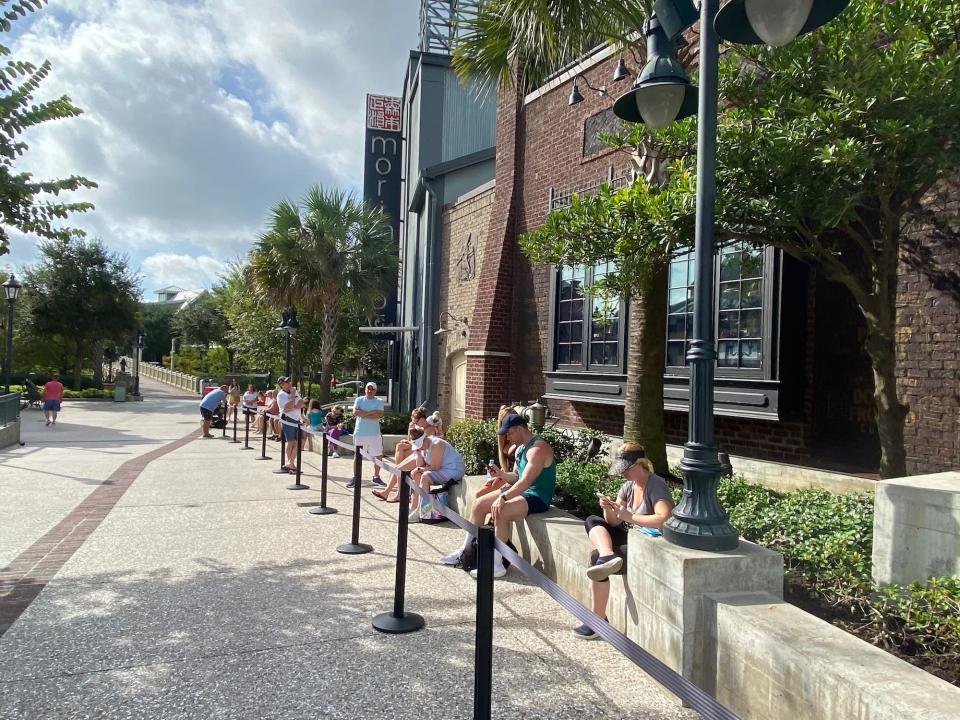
(776, 661)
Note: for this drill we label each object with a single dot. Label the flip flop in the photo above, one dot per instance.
(380, 495)
(393, 499)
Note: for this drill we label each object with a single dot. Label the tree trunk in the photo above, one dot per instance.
(77, 366)
(323, 389)
(328, 346)
(98, 347)
(643, 406)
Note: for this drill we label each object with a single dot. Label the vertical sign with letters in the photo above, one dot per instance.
(381, 174)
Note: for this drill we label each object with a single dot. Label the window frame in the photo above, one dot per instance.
(585, 366)
(769, 334)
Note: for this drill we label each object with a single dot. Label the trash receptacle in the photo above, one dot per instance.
(119, 392)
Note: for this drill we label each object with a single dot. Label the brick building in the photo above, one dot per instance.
(793, 381)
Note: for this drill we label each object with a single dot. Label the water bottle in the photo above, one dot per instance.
(489, 463)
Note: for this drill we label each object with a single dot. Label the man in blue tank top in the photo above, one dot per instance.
(527, 491)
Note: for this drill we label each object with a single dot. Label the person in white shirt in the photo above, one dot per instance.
(250, 401)
(291, 405)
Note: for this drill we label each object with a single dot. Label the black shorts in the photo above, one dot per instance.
(206, 414)
(618, 535)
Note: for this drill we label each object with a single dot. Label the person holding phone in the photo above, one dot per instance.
(644, 501)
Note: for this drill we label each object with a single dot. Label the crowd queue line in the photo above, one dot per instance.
(520, 482)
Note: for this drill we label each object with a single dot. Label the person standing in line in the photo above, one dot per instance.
(366, 433)
(52, 396)
(211, 401)
(250, 400)
(291, 407)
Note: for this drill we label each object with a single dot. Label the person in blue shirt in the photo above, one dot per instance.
(368, 410)
(210, 403)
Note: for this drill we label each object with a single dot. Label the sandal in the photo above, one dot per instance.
(393, 499)
(380, 494)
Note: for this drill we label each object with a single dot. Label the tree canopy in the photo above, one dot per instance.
(27, 204)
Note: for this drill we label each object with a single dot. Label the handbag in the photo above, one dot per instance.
(428, 508)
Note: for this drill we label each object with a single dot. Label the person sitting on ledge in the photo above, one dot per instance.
(527, 491)
(437, 463)
(644, 501)
(404, 456)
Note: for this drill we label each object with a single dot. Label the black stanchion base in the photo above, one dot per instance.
(247, 448)
(281, 471)
(264, 457)
(322, 510)
(358, 549)
(236, 442)
(298, 486)
(388, 623)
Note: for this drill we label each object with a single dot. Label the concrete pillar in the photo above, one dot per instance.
(916, 528)
(673, 616)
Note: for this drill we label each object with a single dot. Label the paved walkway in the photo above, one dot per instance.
(151, 574)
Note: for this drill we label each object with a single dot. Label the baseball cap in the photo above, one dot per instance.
(370, 384)
(511, 420)
(282, 379)
(623, 460)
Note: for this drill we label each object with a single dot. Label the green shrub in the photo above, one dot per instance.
(394, 423)
(918, 619)
(476, 441)
(341, 393)
(579, 483)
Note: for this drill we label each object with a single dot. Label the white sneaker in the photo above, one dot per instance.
(498, 572)
(453, 558)
(414, 515)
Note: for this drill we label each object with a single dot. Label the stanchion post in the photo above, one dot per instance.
(226, 414)
(283, 450)
(323, 509)
(246, 429)
(398, 621)
(355, 547)
(297, 485)
(483, 654)
(235, 426)
(263, 448)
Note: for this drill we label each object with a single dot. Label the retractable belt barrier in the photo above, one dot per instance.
(297, 485)
(694, 697)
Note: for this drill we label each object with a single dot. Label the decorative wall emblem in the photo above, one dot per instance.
(467, 262)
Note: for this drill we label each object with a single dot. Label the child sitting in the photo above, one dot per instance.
(314, 416)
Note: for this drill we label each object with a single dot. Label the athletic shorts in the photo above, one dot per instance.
(534, 504)
(53, 405)
(206, 414)
(442, 476)
(371, 444)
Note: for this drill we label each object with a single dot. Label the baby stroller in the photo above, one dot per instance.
(219, 419)
(31, 395)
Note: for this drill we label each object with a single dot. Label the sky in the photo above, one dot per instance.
(199, 115)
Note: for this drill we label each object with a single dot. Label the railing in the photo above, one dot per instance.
(561, 198)
(9, 408)
(190, 383)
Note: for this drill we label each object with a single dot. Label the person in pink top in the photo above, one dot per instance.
(52, 396)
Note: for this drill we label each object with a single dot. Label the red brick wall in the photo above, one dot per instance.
(928, 362)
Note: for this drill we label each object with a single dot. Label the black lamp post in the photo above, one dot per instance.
(288, 326)
(137, 350)
(660, 95)
(11, 288)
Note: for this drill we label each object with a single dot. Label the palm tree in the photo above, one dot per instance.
(540, 36)
(322, 255)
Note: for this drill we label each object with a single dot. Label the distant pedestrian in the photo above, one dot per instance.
(123, 365)
(250, 400)
(366, 433)
(211, 401)
(52, 396)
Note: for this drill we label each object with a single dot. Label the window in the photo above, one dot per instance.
(740, 306)
(589, 332)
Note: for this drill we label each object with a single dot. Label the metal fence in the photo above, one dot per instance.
(9, 408)
(561, 198)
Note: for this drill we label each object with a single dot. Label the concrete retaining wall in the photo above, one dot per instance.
(916, 528)
(10, 434)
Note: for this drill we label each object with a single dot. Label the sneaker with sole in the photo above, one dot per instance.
(584, 632)
(453, 558)
(605, 567)
(498, 572)
(378, 482)
(414, 515)
(351, 485)
(336, 455)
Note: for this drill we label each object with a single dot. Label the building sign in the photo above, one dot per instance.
(381, 175)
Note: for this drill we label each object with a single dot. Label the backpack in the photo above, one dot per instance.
(468, 560)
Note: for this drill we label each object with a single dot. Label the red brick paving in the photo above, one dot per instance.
(24, 578)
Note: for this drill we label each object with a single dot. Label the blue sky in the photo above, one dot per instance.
(200, 114)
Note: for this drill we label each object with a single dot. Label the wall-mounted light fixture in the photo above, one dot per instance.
(464, 322)
(575, 96)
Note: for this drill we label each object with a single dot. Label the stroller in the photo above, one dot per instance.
(219, 420)
(31, 395)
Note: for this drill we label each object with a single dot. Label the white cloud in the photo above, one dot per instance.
(200, 115)
(185, 271)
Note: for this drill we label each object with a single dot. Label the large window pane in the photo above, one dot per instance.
(584, 318)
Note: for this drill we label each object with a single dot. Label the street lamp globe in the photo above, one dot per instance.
(774, 22)
(11, 288)
(662, 92)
